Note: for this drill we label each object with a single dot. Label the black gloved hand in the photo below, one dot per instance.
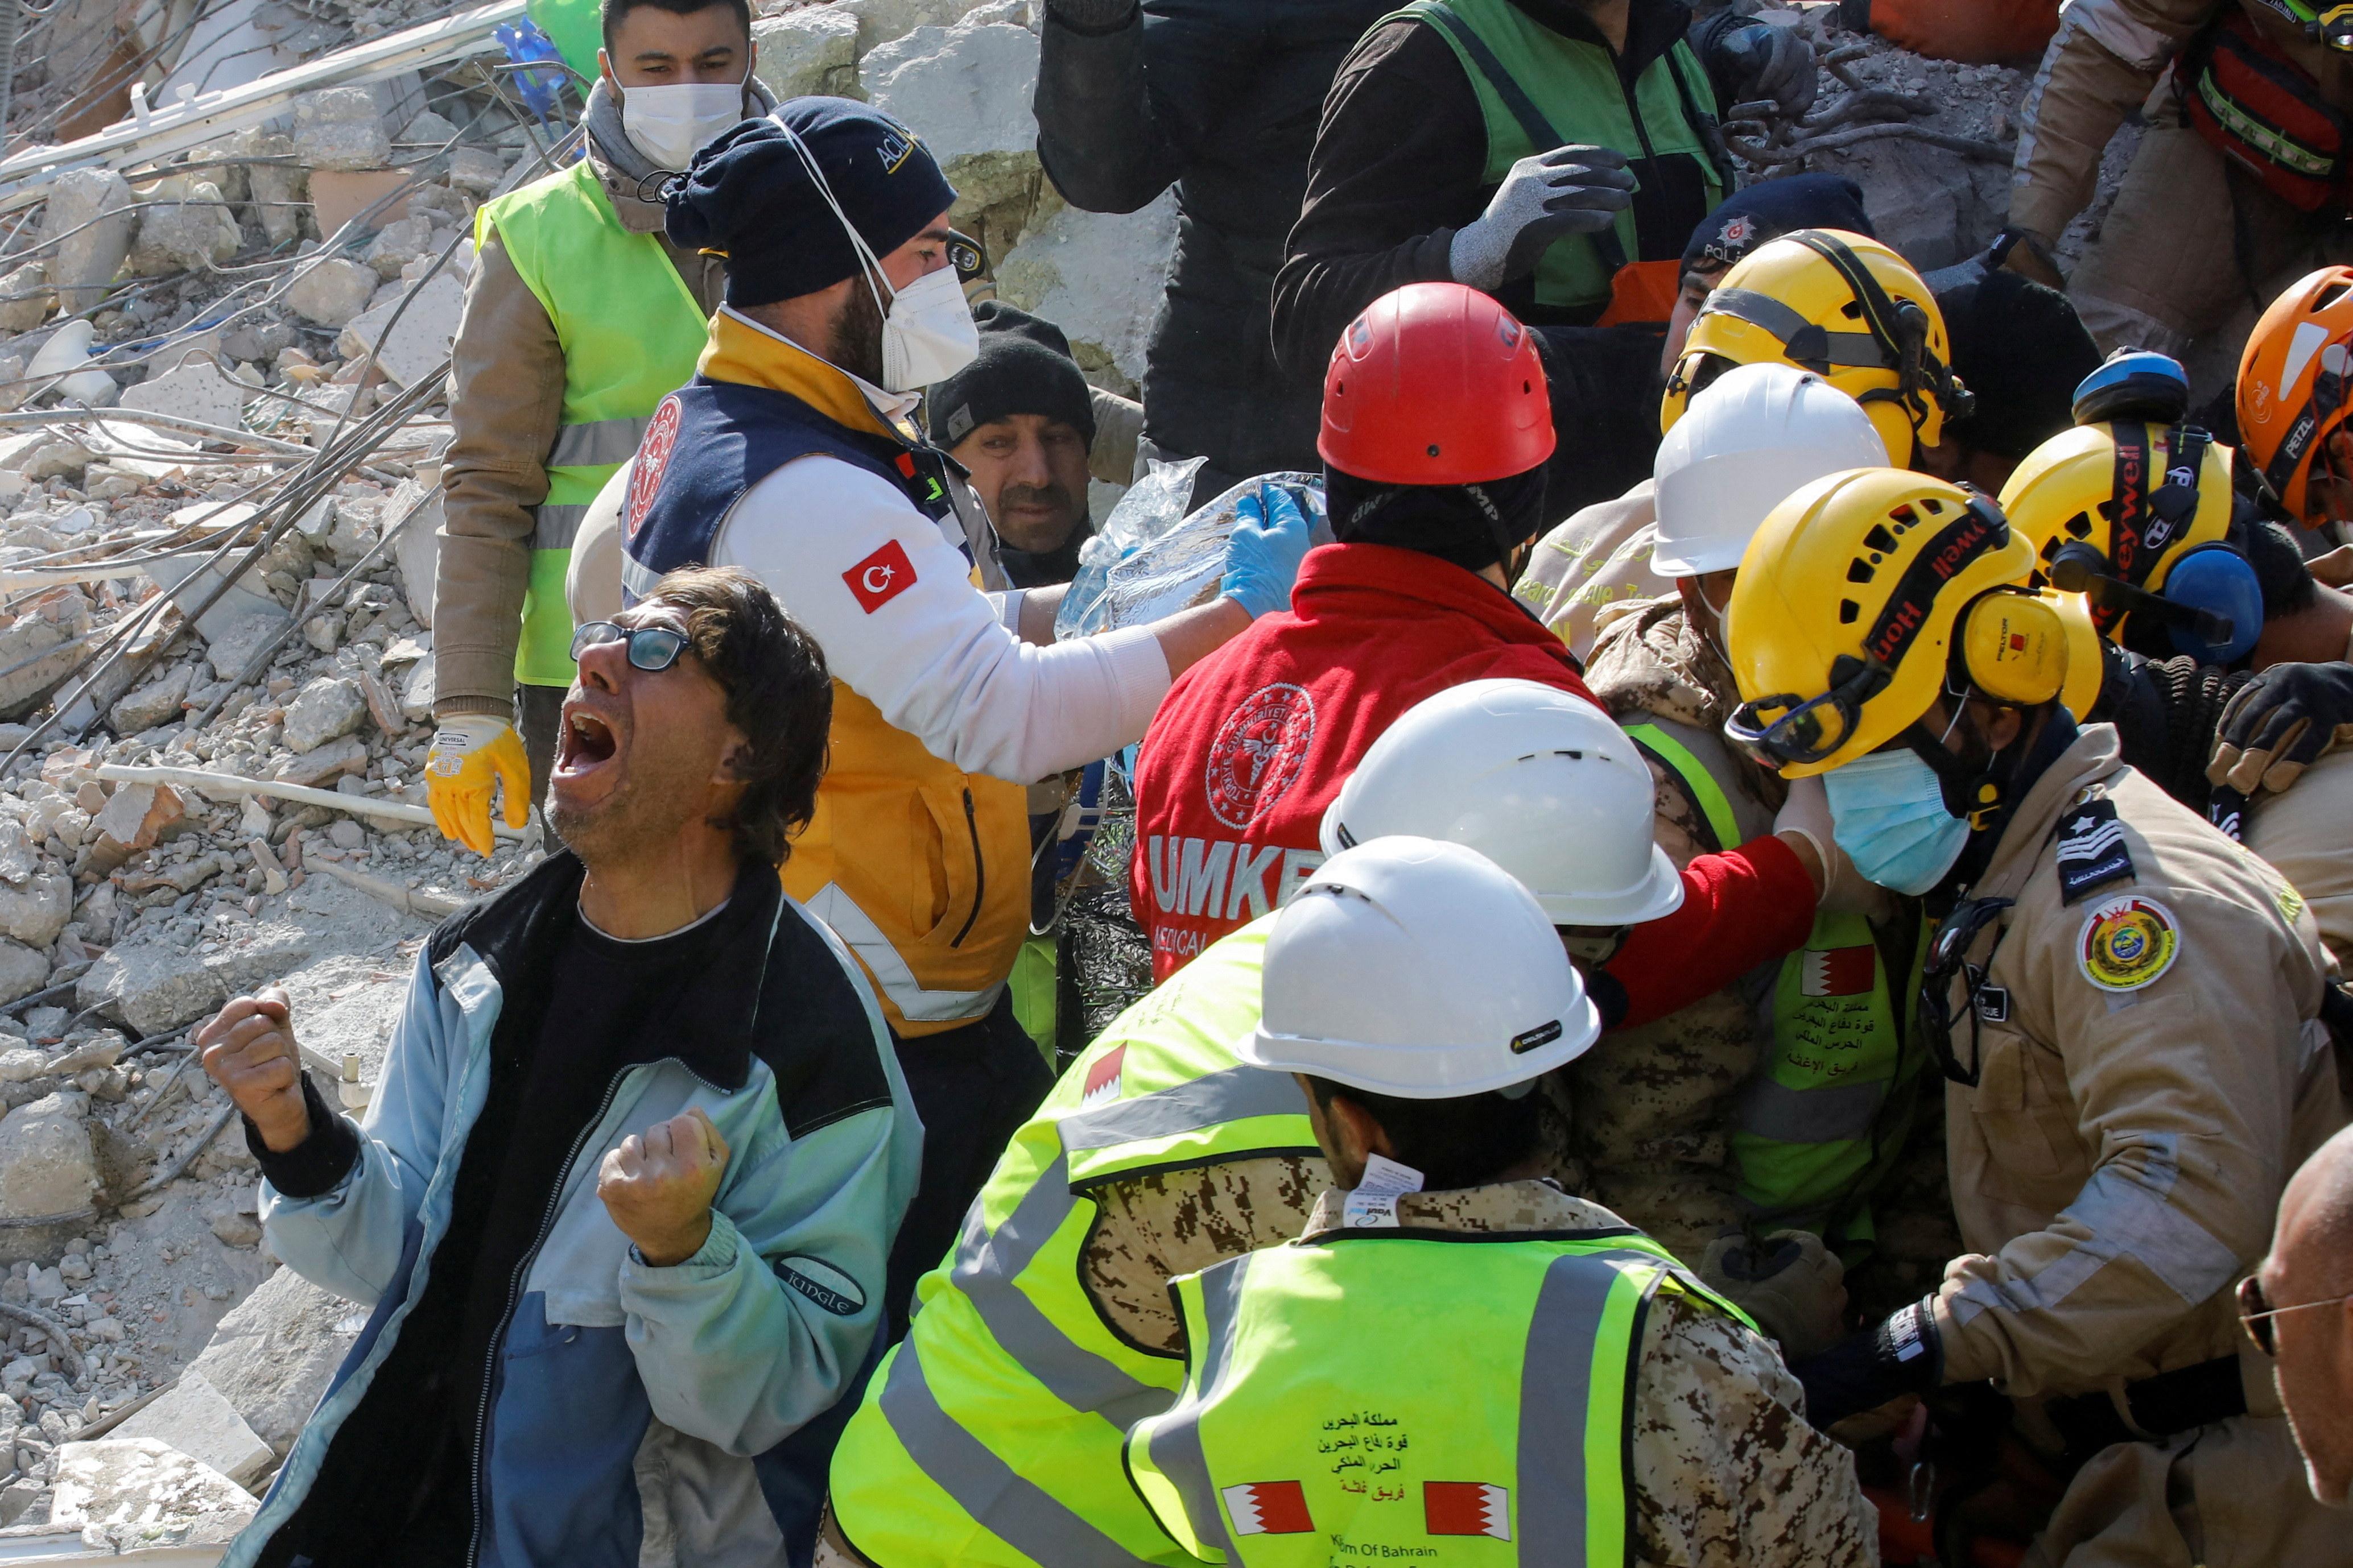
(1765, 62)
(1569, 190)
(2279, 723)
(1863, 1372)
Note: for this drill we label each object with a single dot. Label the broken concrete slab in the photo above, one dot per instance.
(417, 552)
(811, 50)
(47, 1165)
(1100, 278)
(321, 767)
(149, 989)
(340, 128)
(157, 702)
(135, 1493)
(327, 708)
(34, 913)
(331, 292)
(273, 1355)
(398, 243)
(86, 233)
(26, 298)
(196, 1418)
(417, 343)
(196, 390)
(238, 621)
(22, 971)
(966, 90)
(184, 229)
(35, 656)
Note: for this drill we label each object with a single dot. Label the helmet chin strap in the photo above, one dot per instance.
(1975, 794)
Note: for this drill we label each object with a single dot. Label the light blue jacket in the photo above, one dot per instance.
(636, 1414)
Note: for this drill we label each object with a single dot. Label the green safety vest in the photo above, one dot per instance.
(1538, 90)
(631, 334)
(1825, 1116)
(991, 1435)
(1355, 1399)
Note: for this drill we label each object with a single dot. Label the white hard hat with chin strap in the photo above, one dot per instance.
(1417, 969)
(1752, 436)
(1539, 781)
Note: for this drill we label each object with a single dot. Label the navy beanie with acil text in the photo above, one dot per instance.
(749, 197)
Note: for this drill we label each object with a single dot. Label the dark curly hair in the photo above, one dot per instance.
(779, 694)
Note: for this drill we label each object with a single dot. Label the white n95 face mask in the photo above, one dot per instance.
(928, 333)
(670, 123)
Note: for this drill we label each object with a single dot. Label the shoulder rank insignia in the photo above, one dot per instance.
(2126, 941)
(2091, 852)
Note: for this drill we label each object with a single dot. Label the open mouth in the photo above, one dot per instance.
(586, 742)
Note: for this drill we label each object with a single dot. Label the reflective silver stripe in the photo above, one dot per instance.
(1826, 1115)
(638, 578)
(1229, 1095)
(554, 525)
(605, 443)
(1176, 1440)
(985, 1266)
(1766, 312)
(1556, 1392)
(985, 1486)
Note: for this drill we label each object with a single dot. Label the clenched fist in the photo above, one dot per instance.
(250, 1049)
(659, 1187)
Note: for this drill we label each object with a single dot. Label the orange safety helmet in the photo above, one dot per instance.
(1435, 385)
(2292, 380)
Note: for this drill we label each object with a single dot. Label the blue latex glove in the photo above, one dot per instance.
(1262, 554)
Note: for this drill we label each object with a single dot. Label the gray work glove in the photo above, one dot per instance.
(1569, 190)
(1765, 62)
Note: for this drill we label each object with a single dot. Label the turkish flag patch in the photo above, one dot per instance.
(1466, 1508)
(880, 577)
(1269, 1507)
(1102, 1079)
(1838, 971)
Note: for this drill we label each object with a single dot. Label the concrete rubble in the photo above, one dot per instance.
(228, 574)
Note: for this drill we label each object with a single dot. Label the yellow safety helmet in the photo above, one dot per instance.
(1845, 307)
(1861, 597)
(2114, 509)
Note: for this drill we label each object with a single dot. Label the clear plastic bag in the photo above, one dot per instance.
(1151, 560)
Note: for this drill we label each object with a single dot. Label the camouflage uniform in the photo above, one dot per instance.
(1654, 1106)
(1725, 1467)
(1149, 1230)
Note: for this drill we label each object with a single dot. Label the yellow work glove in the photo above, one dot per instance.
(472, 752)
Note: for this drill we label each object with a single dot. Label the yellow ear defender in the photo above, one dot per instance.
(2013, 646)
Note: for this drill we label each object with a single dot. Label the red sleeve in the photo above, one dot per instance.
(1740, 908)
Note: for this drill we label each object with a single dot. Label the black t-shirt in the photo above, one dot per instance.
(596, 996)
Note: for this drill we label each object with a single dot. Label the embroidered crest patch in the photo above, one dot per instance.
(2127, 942)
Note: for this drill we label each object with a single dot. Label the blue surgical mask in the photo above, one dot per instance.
(1887, 812)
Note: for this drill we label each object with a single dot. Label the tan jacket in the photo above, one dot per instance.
(1599, 558)
(1724, 1466)
(506, 380)
(2307, 835)
(2101, 66)
(2117, 1168)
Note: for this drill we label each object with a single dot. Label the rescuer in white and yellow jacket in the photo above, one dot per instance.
(792, 454)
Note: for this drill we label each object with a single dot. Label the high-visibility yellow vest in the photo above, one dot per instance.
(1538, 90)
(631, 334)
(1827, 1112)
(1391, 1394)
(991, 1435)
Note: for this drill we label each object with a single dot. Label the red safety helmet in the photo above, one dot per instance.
(1435, 385)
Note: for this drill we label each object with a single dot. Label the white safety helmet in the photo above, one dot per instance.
(1417, 969)
(1540, 782)
(1756, 434)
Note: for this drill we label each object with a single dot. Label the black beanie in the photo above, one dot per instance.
(748, 197)
(1025, 367)
(1746, 219)
(1470, 526)
(2021, 349)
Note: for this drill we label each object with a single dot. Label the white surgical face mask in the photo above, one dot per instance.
(670, 123)
(928, 333)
